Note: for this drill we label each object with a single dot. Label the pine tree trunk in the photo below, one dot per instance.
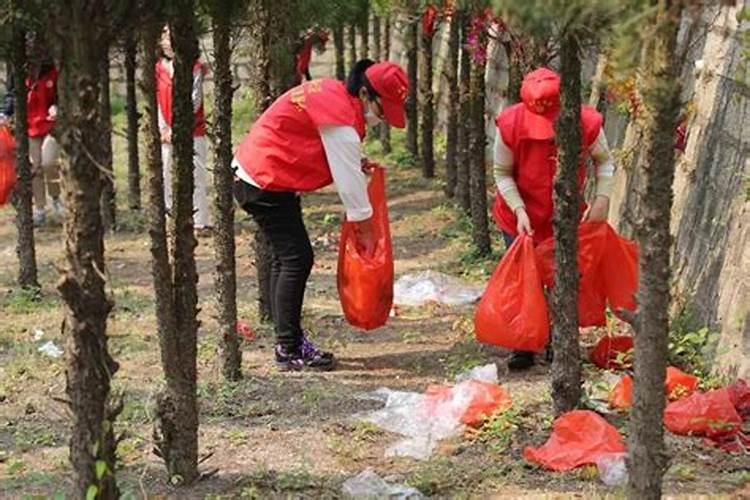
(131, 107)
(515, 73)
(451, 132)
(89, 366)
(224, 242)
(478, 166)
(566, 365)
(109, 203)
(427, 108)
(385, 130)
(661, 88)
(339, 46)
(463, 191)
(351, 33)
(412, 69)
(22, 201)
(377, 38)
(364, 32)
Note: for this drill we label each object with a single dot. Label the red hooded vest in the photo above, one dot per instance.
(41, 96)
(164, 97)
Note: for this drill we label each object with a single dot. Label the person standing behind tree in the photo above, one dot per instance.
(44, 151)
(526, 161)
(164, 81)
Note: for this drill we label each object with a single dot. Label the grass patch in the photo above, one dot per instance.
(27, 301)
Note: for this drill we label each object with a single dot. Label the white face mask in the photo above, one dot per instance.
(372, 119)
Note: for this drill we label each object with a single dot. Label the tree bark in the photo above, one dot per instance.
(351, 33)
(22, 200)
(463, 191)
(377, 39)
(515, 72)
(364, 31)
(412, 69)
(385, 130)
(224, 242)
(426, 105)
(339, 47)
(566, 364)
(131, 106)
(89, 366)
(478, 167)
(109, 202)
(451, 129)
(661, 89)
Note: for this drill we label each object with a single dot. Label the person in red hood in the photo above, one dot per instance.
(164, 79)
(526, 160)
(41, 107)
(307, 139)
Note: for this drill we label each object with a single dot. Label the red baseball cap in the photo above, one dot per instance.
(389, 80)
(540, 93)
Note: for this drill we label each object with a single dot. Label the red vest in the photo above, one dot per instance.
(534, 166)
(303, 59)
(284, 151)
(41, 96)
(164, 97)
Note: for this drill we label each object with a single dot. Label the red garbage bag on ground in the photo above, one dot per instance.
(739, 393)
(474, 400)
(680, 384)
(7, 164)
(365, 282)
(513, 312)
(711, 414)
(578, 438)
(613, 353)
(621, 395)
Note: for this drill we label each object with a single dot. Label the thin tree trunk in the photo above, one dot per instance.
(451, 132)
(661, 88)
(566, 364)
(599, 84)
(412, 69)
(515, 73)
(224, 242)
(377, 39)
(426, 105)
(109, 203)
(22, 201)
(339, 46)
(364, 32)
(463, 191)
(89, 366)
(351, 33)
(385, 130)
(131, 106)
(478, 168)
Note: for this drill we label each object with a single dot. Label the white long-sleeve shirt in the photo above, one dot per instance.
(343, 149)
(196, 94)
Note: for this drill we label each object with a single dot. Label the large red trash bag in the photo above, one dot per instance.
(578, 438)
(365, 282)
(739, 393)
(475, 399)
(7, 164)
(621, 395)
(711, 414)
(619, 268)
(513, 311)
(613, 353)
(680, 384)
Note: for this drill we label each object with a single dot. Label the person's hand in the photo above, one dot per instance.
(598, 211)
(366, 236)
(166, 136)
(366, 166)
(524, 224)
(52, 113)
(4, 122)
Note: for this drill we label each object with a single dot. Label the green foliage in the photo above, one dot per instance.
(497, 431)
(692, 347)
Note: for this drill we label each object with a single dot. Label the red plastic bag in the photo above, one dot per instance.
(613, 353)
(621, 395)
(244, 330)
(7, 164)
(475, 399)
(578, 438)
(365, 282)
(680, 384)
(513, 310)
(619, 268)
(711, 414)
(739, 393)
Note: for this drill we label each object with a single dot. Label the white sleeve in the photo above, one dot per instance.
(343, 149)
(163, 126)
(197, 93)
(605, 166)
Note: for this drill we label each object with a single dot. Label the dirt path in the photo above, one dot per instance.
(293, 435)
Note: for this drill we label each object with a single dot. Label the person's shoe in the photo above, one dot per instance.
(310, 350)
(294, 360)
(315, 358)
(39, 216)
(521, 360)
(57, 207)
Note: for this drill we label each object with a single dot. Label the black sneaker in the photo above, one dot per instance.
(294, 360)
(521, 360)
(314, 357)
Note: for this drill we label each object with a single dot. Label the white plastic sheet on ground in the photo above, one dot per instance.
(368, 484)
(423, 425)
(612, 469)
(50, 349)
(417, 289)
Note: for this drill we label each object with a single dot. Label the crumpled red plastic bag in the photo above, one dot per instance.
(739, 393)
(513, 311)
(613, 353)
(477, 400)
(608, 269)
(578, 438)
(711, 414)
(7, 164)
(365, 282)
(244, 330)
(680, 384)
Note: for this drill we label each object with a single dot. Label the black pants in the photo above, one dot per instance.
(279, 216)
